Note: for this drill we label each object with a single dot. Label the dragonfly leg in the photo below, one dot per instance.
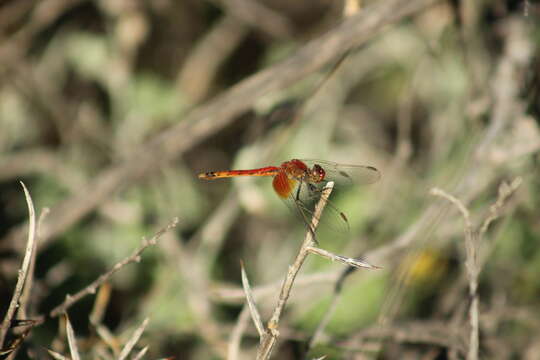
(298, 190)
(306, 221)
(299, 205)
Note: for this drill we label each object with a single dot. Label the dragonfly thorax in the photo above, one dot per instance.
(298, 170)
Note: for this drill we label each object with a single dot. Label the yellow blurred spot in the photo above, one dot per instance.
(426, 267)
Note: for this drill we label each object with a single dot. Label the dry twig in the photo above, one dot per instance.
(270, 336)
(202, 65)
(91, 288)
(259, 16)
(23, 272)
(473, 238)
(471, 264)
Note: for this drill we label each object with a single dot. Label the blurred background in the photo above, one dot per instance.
(110, 109)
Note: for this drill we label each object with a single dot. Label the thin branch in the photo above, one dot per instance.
(505, 191)
(256, 14)
(203, 63)
(91, 288)
(473, 239)
(471, 264)
(23, 272)
(269, 339)
(459, 205)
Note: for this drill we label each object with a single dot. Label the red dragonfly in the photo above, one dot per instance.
(300, 182)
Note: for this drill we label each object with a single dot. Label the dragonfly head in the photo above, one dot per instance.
(317, 173)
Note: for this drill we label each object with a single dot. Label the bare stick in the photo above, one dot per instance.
(471, 264)
(203, 63)
(256, 14)
(91, 289)
(270, 336)
(459, 205)
(23, 272)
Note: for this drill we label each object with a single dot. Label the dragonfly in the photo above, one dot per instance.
(300, 182)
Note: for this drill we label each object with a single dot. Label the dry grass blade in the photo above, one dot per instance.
(251, 303)
(100, 304)
(343, 259)
(23, 272)
(25, 297)
(236, 334)
(56, 355)
(270, 336)
(131, 343)
(91, 288)
(108, 338)
(72, 341)
(141, 353)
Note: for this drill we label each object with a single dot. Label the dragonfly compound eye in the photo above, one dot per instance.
(318, 173)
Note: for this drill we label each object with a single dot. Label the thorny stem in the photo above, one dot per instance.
(269, 338)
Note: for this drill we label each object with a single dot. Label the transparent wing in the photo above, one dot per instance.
(302, 204)
(346, 174)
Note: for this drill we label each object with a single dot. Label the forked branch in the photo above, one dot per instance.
(269, 338)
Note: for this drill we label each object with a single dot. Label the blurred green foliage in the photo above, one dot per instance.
(95, 82)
